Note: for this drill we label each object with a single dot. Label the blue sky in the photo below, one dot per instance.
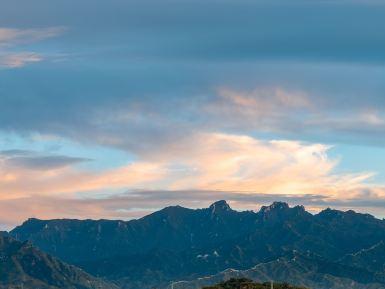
(116, 108)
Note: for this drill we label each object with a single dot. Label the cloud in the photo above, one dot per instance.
(15, 60)
(173, 61)
(11, 40)
(263, 108)
(136, 124)
(23, 159)
(11, 37)
(180, 95)
(217, 161)
(15, 152)
(16, 182)
(241, 31)
(368, 120)
(208, 161)
(265, 100)
(296, 113)
(203, 162)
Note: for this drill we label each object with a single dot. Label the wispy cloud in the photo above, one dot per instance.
(15, 60)
(13, 40)
(294, 113)
(10, 37)
(264, 108)
(23, 159)
(137, 125)
(267, 101)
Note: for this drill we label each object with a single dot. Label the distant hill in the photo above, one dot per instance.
(243, 283)
(178, 243)
(24, 267)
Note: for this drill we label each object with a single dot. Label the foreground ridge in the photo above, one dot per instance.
(24, 267)
(243, 283)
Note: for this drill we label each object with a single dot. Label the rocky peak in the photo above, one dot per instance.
(276, 206)
(220, 206)
(330, 214)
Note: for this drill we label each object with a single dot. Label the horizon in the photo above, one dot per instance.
(115, 109)
(256, 211)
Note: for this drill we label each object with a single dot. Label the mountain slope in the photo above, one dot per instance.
(23, 266)
(372, 259)
(308, 271)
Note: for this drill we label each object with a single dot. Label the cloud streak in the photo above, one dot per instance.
(30, 160)
(11, 40)
(10, 37)
(16, 60)
(296, 113)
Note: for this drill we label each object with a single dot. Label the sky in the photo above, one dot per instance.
(115, 109)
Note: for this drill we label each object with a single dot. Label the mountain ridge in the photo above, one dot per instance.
(178, 243)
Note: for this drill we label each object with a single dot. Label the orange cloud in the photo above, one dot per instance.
(260, 103)
(24, 182)
(216, 161)
(211, 162)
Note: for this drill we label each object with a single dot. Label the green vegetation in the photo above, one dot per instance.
(244, 283)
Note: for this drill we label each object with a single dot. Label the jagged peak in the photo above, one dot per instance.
(276, 206)
(30, 220)
(221, 205)
(300, 208)
(332, 213)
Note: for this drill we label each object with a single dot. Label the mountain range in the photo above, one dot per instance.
(331, 249)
